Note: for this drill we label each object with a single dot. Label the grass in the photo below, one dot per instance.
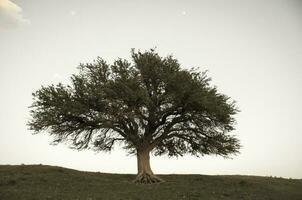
(22, 182)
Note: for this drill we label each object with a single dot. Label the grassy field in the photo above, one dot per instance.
(47, 182)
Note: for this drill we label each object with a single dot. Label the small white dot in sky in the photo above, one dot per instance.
(183, 12)
(73, 13)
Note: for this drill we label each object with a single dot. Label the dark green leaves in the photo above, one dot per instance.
(150, 103)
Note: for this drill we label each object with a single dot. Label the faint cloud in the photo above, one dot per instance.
(11, 15)
(57, 76)
(183, 12)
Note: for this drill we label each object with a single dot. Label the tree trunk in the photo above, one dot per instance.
(145, 174)
(143, 162)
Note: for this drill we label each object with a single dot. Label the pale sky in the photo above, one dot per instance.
(252, 49)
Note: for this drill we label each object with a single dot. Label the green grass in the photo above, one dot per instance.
(47, 182)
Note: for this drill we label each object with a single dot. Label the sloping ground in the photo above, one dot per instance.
(47, 182)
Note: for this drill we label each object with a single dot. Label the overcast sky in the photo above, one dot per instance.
(252, 49)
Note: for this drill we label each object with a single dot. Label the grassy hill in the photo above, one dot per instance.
(47, 182)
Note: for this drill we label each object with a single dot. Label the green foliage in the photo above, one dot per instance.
(46, 182)
(149, 104)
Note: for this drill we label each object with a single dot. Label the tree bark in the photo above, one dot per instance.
(145, 174)
(143, 162)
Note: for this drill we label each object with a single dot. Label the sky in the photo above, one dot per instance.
(252, 50)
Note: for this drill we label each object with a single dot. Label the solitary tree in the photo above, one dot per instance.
(149, 105)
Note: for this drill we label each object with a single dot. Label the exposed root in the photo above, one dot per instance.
(147, 178)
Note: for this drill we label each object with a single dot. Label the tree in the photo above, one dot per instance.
(149, 105)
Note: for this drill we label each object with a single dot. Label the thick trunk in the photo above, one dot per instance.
(143, 163)
(145, 174)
